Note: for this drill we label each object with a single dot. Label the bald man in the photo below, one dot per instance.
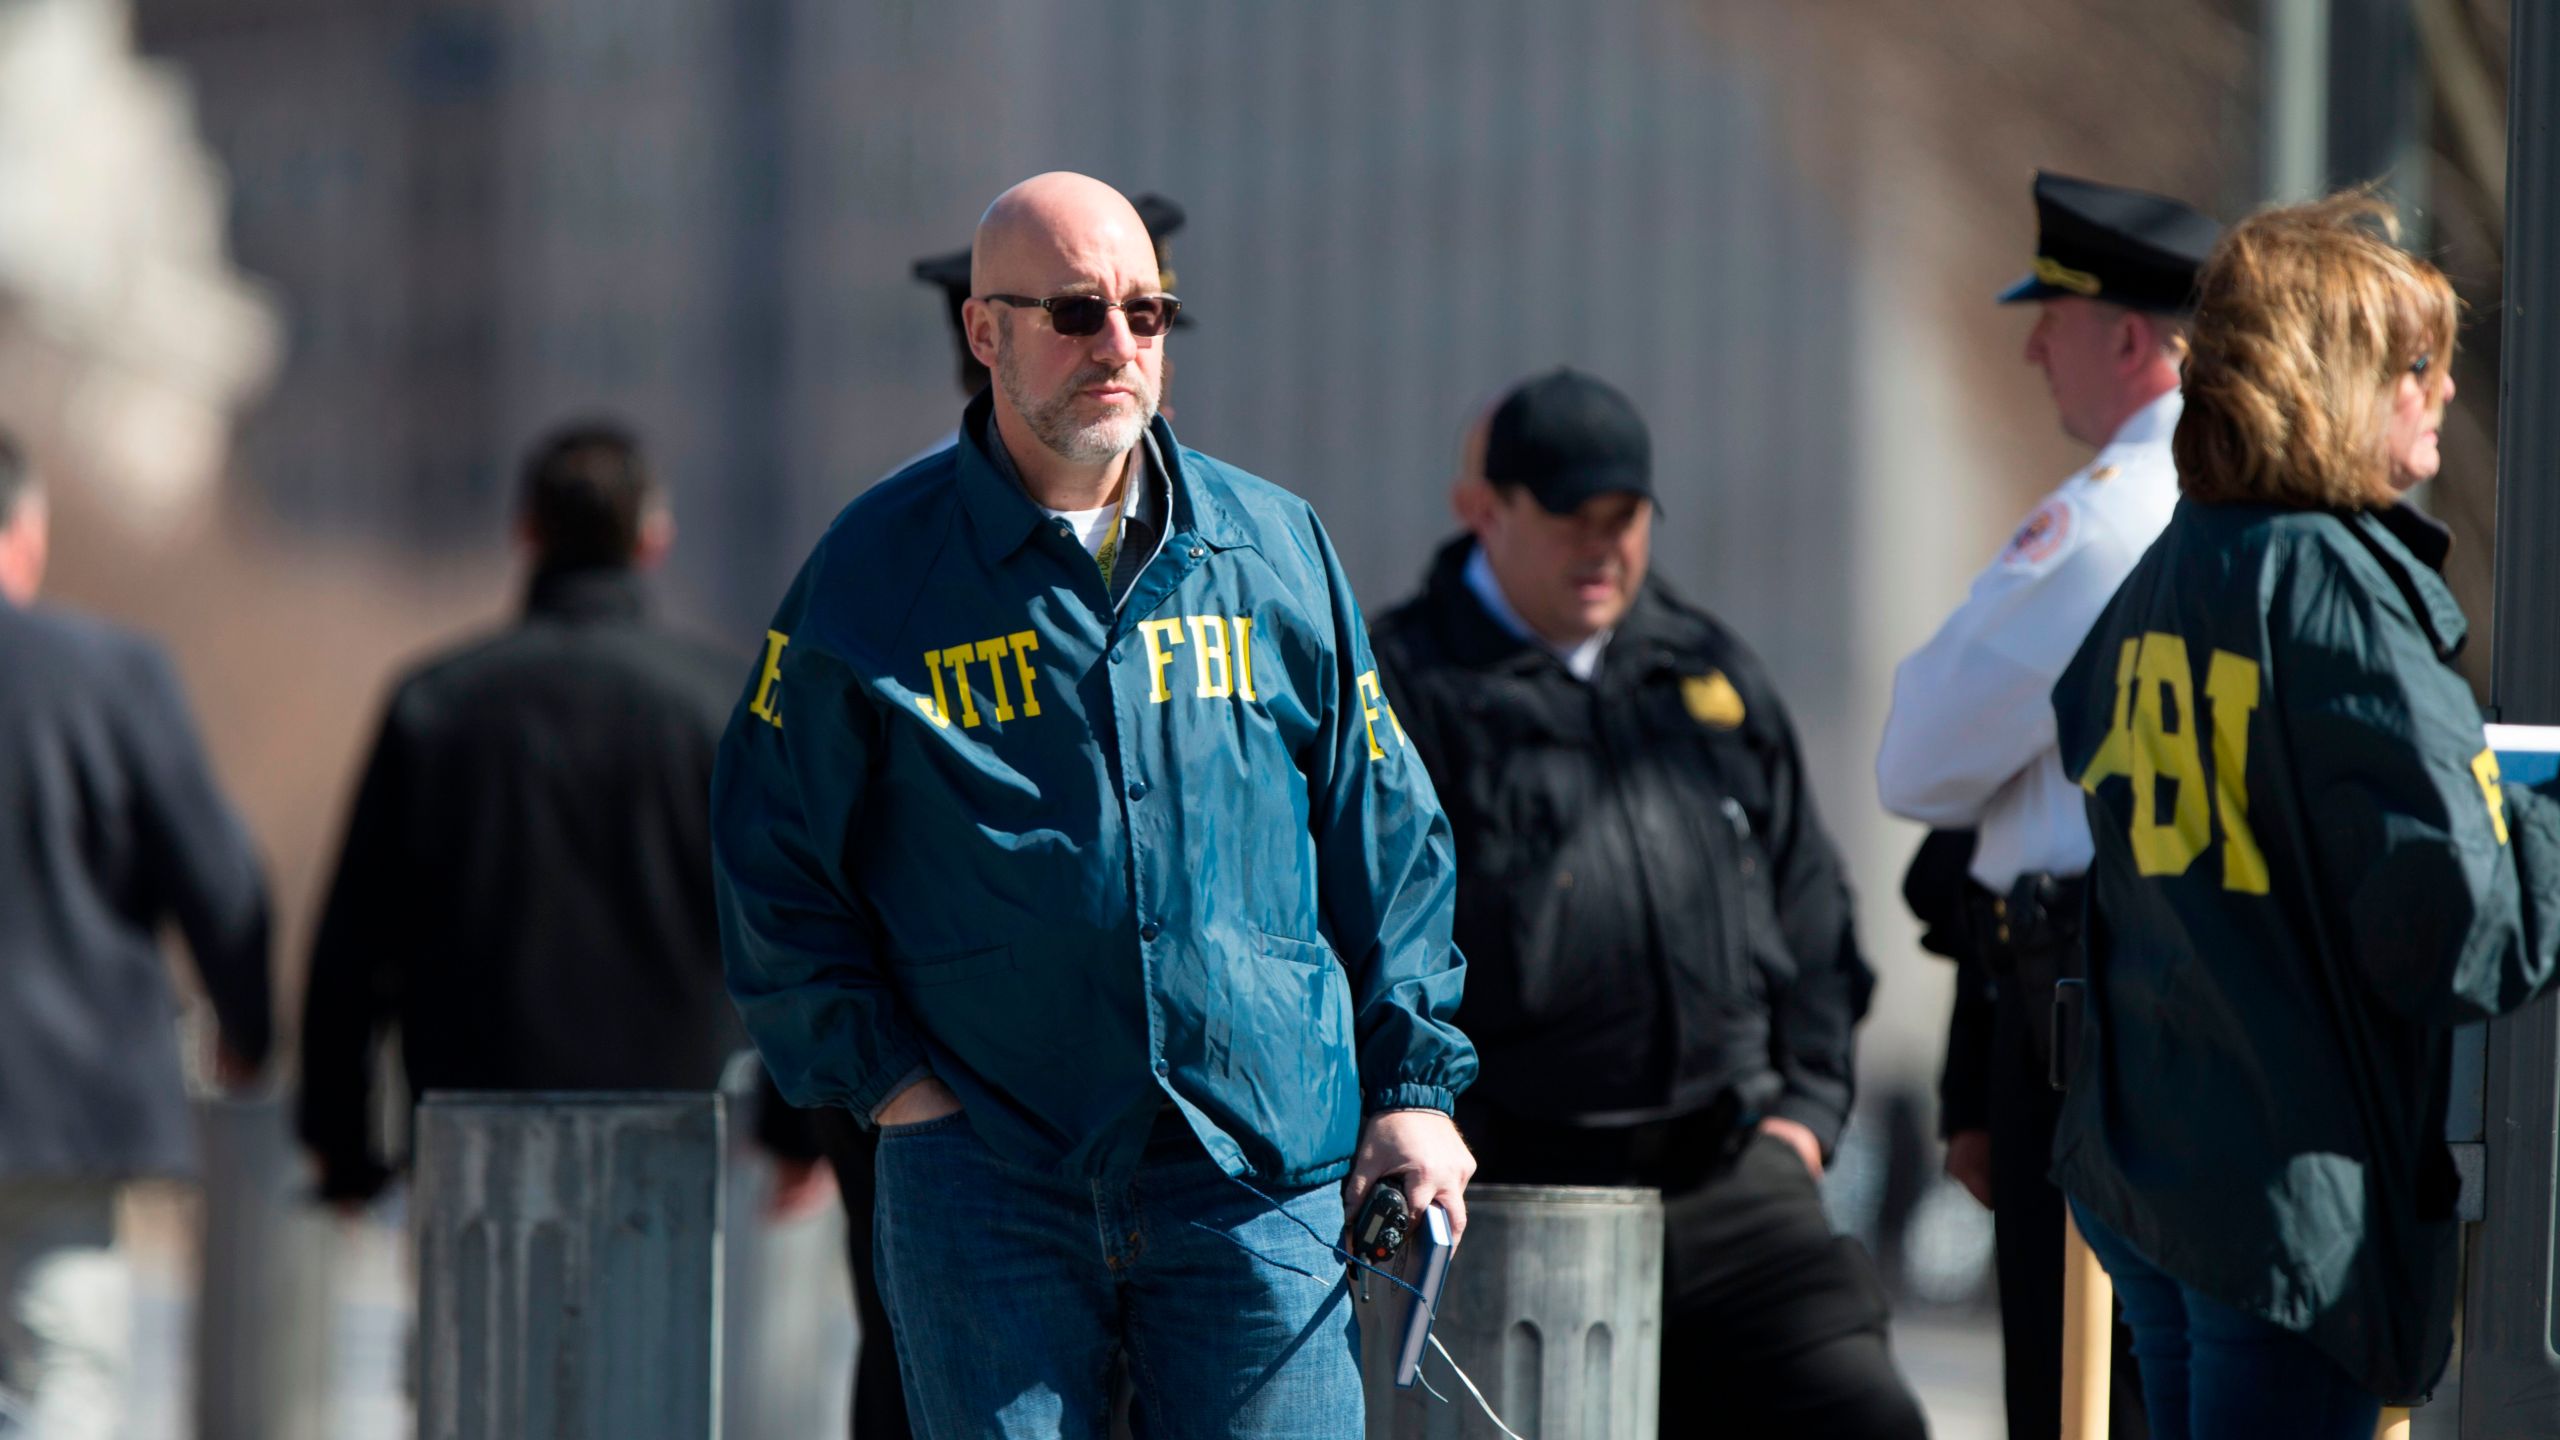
(1064, 834)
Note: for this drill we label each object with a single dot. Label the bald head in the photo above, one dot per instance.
(1057, 224)
(1068, 407)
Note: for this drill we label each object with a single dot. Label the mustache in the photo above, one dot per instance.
(1128, 375)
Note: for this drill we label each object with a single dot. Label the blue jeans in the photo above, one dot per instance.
(2210, 1372)
(1013, 1291)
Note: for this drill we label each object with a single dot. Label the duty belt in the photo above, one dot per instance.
(2039, 915)
(2029, 941)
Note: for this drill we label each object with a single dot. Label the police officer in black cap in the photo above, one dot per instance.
(1663, 981)
(1969, 745)
(879, 1404)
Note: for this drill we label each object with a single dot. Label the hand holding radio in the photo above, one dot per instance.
(1421, 1151)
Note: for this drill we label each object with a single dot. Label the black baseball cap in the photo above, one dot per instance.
(1568, 437)
(2106, 242)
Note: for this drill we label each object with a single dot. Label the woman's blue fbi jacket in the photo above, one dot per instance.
(1079, 860)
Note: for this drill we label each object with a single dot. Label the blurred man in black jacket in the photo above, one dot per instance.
(1662, 977)
(114, 828)
(525, 888)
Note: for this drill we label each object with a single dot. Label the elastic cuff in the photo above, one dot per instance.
(905, 1083)
(1412, 1097)
(1821, 1119)
(902, 1063)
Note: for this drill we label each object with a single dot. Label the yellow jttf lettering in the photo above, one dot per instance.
(992, 651)
(956, 659)
(937, 709)
(762, 706)
(1023, 643)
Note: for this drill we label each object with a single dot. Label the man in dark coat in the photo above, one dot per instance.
(114, 828)
(1665, 977)
(525, 887)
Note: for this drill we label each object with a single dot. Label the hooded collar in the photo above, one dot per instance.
(1002, 516)
(586, 592)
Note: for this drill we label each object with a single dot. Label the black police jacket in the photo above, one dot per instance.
(525, 886)
(1651, 912)
(113, 827)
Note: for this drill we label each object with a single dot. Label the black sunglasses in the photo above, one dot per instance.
(2419, 365)
(1080, 315)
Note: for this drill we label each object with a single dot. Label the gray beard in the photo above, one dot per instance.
(1052, 418)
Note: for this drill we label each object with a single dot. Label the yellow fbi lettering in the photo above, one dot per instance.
(2484, 768)
(768, 679)
(2153, 740)
(1373, 700)
(1221, 655)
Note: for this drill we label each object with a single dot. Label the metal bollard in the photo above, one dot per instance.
(787, 1307)
(265, 1304)
(569, 1254)
(1554, 1306)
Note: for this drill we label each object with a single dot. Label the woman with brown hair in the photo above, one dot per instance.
(2308, 870)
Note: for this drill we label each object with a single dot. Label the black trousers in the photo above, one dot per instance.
(1772, 1325)
(879, 1402)
(2026, 1212)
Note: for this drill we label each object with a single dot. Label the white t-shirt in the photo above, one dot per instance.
(1091, 526)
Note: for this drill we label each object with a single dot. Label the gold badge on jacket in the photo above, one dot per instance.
(1712, 700)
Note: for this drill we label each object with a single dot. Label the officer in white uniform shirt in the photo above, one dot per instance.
(1969, 744)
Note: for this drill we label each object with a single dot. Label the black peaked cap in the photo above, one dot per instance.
(2107, 242)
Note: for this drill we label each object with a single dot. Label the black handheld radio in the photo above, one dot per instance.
(1385, 1219)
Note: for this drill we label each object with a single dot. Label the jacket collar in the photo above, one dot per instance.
(2412, 548)
(1002, 516)
(595, 592)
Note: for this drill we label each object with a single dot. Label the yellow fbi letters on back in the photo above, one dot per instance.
(1000, 672)
(2155, 736)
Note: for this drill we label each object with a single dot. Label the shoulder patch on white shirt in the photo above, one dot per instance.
(2045, 535)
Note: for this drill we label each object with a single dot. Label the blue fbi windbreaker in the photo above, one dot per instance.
(1079, 859)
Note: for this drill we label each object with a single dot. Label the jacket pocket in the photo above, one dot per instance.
(954, 968)
(1302, 952)
(1282, 1044)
